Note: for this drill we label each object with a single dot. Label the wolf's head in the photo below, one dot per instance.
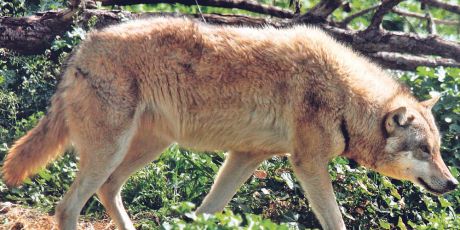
(412, 149)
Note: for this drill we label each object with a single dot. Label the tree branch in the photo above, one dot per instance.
(383, 9)
(251, 6)
(350, 18)
(421, 16)
(324, 8)
(390, 41)
(409, 62)
(320, 12)
(443, 5)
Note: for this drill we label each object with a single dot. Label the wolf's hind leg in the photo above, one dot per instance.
(235, 171)
(145, 147)
(101, 150)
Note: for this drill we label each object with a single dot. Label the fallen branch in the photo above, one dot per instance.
(33, 34)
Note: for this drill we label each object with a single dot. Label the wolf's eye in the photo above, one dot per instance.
(425, 148)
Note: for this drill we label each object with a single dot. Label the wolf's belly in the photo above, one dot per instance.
(234, 130)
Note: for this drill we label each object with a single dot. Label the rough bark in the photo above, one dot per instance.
(33, 34)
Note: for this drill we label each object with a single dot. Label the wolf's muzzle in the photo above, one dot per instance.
(451, 184)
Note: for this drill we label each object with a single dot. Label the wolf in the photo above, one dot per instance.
(131, 90)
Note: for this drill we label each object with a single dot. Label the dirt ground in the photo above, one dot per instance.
(16, 217)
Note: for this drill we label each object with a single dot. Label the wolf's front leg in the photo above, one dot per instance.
(316, 182)
(237, 168)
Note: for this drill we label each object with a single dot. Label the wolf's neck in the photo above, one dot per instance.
(364, 118)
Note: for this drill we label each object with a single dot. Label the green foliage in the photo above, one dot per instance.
(158, 195)
(49, 4)
(446, 82)
(224, 220)
(12, 8)
(26, 7)
(70, 40)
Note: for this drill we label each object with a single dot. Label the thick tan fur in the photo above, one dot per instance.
(133, 89)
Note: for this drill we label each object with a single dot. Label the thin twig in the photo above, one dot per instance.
(297, 7)
(350, 18)
(430, 25)
(411, 26)
(199, 10)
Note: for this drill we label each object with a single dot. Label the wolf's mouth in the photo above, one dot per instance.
(428, 187)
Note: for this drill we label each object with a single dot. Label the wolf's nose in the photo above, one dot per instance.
(452, 184)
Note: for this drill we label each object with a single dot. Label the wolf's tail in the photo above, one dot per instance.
(39, 146)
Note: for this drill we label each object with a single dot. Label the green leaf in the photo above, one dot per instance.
(45, 174)
(384, 224)
(454, 171)
(28, 181)
(444, 202)
(395, 193)
(426, 71)
(401, 224)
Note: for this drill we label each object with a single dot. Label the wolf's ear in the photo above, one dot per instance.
(430, 102)
(397, 118)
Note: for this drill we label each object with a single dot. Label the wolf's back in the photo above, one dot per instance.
(39, 146)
